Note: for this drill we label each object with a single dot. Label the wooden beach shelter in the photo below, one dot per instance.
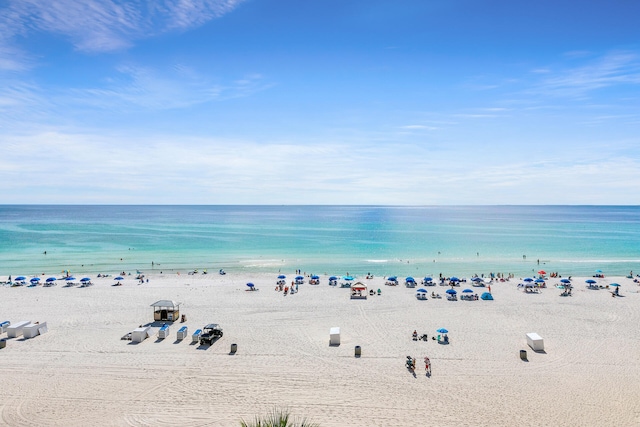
(166, 310)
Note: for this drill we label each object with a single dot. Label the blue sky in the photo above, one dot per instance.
(411, 102)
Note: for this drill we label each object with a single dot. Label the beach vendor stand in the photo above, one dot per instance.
(166, 310)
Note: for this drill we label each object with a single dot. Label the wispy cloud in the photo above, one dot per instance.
(100, 25)
(129, 88)
(613, 69)
(179, 87)
(418, 127)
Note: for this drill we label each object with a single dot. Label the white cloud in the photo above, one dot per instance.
(68, 167)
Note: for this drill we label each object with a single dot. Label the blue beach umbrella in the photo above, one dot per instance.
(590, 281)
(251, 285)
(565, 280)
(466, 291)
(85, 279)
(299, 277)
(454, 279)
(476, 279)
(347, 277)
(69, 279)
(51, 279)
(451, 291)
(410, 279)
(614, 284)
(428, 279)
(392, 278)
(528, 279)
(539, 280)
(20, 278)
(282, 276)
(35, 280)
(487, 296)
(333, 278)
(598, 271)
(442, 331)
(422, 290)
(315, 277)
(118, 278)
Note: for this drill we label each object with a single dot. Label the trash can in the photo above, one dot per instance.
(234, 348)
(523, 354)
(3, 343)
(358, 351)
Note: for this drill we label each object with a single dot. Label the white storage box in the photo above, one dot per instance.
(535, 341)
(140, 334)
(34, 329)
(15, 330)
(334, 336)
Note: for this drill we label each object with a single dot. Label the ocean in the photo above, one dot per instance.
(382, 240)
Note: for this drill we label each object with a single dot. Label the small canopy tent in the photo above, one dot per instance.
(166, 310)
(359, 290)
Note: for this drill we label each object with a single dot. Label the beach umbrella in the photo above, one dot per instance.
(299, 277)
(85, 279)
(347, 277)
(333, 278)
(428, 279)
(565, 280)
(486, 296)
(542, 272)
(451, 291)
(422, 290)
(442, 331)
(476, 279)
(528, 279)
(51, 279)
(118, 278)
(410, 279)
(20, 278)
(392, 278)
(251, 285)
(454, 279)
(35, 280)
(466, 291)
(315, 277)
(68, 279)
(614, 284)
(590, 281)
(282, 276)
(539, 280)
(598, 271)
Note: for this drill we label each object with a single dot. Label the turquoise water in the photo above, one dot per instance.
(418, 241)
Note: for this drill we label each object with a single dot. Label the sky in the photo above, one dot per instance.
(405, 102)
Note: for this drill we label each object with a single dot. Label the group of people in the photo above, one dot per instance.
(411, 364)
(281, 287)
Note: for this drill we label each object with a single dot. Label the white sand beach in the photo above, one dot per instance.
(81, 373)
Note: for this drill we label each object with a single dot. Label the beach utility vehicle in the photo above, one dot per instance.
(210, 333)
